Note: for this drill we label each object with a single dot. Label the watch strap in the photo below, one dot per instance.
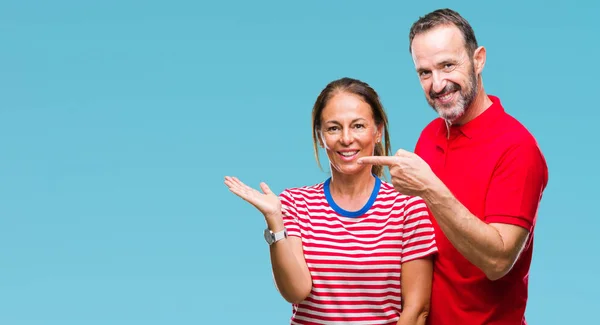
(273, 237)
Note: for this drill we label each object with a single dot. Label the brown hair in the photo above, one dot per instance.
(368, 94)
(442, 17)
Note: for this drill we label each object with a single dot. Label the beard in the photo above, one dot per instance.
(454, 110)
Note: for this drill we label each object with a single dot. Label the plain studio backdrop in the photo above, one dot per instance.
(119, 120)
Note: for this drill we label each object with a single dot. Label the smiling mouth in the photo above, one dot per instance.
(446, 97)
(348, 154)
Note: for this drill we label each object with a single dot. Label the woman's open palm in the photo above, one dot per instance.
(266, 202)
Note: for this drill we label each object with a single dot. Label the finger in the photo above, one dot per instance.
(377, 160)
(402, 153)
(248, 196)
(236, 190)
(240, 189)
(228, 179)
(243, 185)
(236, 181)
(265, 188)
(232, 183)
(229, 182)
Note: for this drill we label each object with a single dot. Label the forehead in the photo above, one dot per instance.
(440, 43)
(345, 105)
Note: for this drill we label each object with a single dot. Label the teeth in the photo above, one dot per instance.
(349, 154)
(447, 96)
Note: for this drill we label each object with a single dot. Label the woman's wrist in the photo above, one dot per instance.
(274, 222)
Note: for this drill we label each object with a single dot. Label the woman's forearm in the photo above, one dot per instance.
(413, 316)
(416, 280)
(290, 271)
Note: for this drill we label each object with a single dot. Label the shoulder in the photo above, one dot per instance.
(509, 129)
(517, 147)
(513, 136)
(307, 189)
(515, 131)
(304, 193)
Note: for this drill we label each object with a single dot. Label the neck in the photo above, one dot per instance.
(479, 105)
(355, 185)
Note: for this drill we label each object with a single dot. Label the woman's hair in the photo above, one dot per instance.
(369, 95)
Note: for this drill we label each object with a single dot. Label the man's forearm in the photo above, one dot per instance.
(477, 241)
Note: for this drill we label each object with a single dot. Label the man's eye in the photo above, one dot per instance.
(448, 66)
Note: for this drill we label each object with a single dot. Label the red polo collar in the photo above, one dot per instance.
(478, 124)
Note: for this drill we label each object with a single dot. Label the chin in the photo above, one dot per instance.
(451, 114)
(349, 169)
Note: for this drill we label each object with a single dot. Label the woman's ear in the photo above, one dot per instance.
(379, 133)
(320, 140)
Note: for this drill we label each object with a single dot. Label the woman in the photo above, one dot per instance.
(350, 249)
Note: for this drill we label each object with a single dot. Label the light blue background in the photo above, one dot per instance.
(119, 119)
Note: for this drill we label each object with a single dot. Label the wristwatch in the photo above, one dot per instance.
(273, 237)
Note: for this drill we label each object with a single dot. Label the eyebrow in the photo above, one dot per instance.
(439, 64)
(447, 61)
(353, 121)
(419, 70)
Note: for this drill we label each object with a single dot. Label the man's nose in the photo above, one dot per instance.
(439, 82)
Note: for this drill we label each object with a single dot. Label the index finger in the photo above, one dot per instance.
(377, 160)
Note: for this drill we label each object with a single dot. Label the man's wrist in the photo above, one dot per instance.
(434, 191)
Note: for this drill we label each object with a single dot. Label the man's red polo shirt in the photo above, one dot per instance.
(495, 168)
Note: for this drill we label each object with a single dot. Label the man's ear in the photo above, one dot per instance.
(479, 59)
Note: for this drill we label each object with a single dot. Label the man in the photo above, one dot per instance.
(481, 174)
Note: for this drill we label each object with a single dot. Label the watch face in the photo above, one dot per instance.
(268, 236)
